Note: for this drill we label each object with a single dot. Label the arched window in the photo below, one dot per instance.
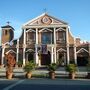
(46, 38)
(6, 32)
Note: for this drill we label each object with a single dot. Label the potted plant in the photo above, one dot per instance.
(28, 68)
(71, 68)
(51, 68)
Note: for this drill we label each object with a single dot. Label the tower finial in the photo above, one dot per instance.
(45, 10)
(8, 22)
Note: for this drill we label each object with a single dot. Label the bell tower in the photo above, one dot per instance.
(7, 34)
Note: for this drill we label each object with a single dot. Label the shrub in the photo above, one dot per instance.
(71, 68)
(30, 66)
(52, 67)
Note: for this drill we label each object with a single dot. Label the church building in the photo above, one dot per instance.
(45, 39)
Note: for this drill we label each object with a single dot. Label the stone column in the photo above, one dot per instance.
(51, 54)
(36, 35)
(64, 58)
(24, 37)
(3, 49)
(24, 56)
(27, 36)
(55, 54)
(67, 45)
(89, 53)
(17, 50)
(67, 54)
(36, 50)
(55, 44)
(89, 50)
(54, 35)
(24, 46)
(36, 47)
(75, 55)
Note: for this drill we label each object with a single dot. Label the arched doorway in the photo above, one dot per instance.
(46, 58)
(82, 57)
(30, 55)
(82, 60)
(61, 56)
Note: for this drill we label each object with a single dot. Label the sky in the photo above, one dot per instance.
(75, 12)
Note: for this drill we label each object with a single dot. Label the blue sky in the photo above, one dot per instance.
(75, 12)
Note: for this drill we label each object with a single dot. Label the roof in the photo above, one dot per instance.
(8, 26)
(38, 18)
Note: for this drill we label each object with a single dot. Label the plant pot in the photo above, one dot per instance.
(16, 66)
(88, 75)
(52, 74)
(9, 75)
(28, 75)
(72, 75)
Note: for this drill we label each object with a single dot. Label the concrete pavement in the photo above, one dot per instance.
(60, 72)
(45, 84)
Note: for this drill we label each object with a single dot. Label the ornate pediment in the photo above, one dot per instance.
(44, 19)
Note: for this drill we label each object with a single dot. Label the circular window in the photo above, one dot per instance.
(46, 20)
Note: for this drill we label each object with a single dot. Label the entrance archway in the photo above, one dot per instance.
(82, 60)
(46, 58)
(61, 56)
(30, 56)
(82, 57)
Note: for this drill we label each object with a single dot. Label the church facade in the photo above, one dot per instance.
(45, 39)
